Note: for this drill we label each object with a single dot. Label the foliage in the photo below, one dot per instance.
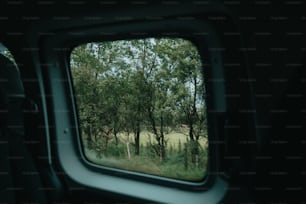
(125, 88)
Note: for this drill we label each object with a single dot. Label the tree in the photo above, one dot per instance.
(190, 96)
(124, 86)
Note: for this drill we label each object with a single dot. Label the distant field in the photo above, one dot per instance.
(173, 138)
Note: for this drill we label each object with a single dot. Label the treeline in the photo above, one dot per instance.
(124, 88)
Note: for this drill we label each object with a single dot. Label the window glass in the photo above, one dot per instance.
(141, 106)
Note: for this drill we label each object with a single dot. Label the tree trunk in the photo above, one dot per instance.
(194, 152)
(115, 132)
(186, 156)
(162, 138)
(137, 138)
(106, 146)
(158, 136)
(191, 130)
(128, 147)
(116, 138)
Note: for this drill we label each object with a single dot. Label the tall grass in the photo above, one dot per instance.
(173, 165)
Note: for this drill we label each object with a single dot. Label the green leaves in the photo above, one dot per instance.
(153, 83)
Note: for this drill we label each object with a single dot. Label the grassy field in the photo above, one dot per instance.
(172, 138)
(172, 167)
(175, 170)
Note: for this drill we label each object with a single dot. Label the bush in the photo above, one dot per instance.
(118, 151)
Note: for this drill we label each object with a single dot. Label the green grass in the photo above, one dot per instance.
(173, 166)
(141, 164)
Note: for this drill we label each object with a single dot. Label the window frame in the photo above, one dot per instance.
(61, 103)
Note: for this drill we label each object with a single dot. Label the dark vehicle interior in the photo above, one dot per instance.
(254, 67)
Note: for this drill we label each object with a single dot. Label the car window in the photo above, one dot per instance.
(141, 106)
